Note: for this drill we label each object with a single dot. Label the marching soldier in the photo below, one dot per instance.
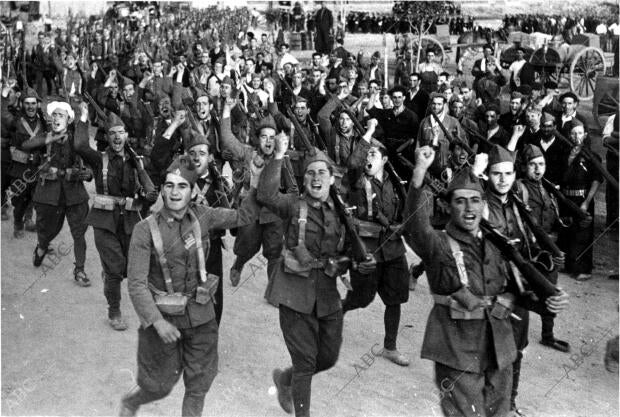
(23, 163)
(268, 228)
(303, 286)
(116, 206)
(172, 293)
(379, 213)
(60, 191)
(469, 334)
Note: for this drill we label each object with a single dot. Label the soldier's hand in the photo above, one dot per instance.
(179, 117)
(151, 196)
(372, 123)
(585, 222)
(557, 303)
(368, 266)
(85, 174)
(168, 332)
(480, 163)
(282, 142)
(558, 261)
(518, 130)
(84, 112)
(269, 88)
(227, 155)
(424, 157)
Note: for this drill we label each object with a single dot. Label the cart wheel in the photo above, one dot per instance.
(587, 65)
(430, 42)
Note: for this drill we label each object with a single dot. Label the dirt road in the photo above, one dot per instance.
(59, 356)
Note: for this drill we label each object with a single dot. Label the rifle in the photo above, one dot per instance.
(360, 253)
(541, 236)
(537, 281)
(449, 136)
(222, 190)
(590, 157)
(143, 176)
(569, 204)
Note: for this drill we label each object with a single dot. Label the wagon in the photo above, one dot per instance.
(606, 97)
(581, 63)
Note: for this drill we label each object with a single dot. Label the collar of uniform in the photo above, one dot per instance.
(317, 203)
(494, 199)
(112, 154)
(460, 235)
(167, 217)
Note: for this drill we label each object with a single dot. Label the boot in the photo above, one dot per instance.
(5, 213)
(80, 277)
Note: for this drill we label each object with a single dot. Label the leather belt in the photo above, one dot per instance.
(574, 193)
(446, 300)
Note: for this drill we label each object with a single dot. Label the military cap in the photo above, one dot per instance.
(531, 152)
(199, 92)
(30, 92)
(569, 94)
(184, 167)
(546, 118)
(456, 142)
(319, 156)
(113, 121)
(228, 80)
(376, 54)
(499, 154)
(266, 122)
(465, 179)
(196, 139)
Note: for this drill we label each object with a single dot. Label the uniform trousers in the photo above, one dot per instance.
(471, 394)
(391, 280)
(160, 366)
(314, 344)
(113, 249)
(50, 220)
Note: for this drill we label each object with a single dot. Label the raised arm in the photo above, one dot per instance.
(269, 193)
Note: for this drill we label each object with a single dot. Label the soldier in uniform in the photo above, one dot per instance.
(379, 213)
(172, 293)
(60, 191)
(545, 211)
(469, 334)
(504, 214)
(24, 164)
(116, 206)
(268, 228)
(310, 307)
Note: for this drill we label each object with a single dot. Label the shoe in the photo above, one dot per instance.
(395, 356)
(125, 410)
(516, 412)
(583, 277)
(235, 277)
(18, 233)
(611, 356)
(414, 273)
(36, 259)
(613, 276)
(285, 395)
(30, 226)
(5, 213)
(81, 278)
(556, 344)
(117, 323)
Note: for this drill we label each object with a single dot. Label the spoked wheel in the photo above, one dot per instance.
(587, 65)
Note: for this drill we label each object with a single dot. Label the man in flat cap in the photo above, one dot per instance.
(172, 293)
(569, 102)
(304, 282)
(60, 189)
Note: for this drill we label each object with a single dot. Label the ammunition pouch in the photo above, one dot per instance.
(368, 229)
(72, 174)
(502, 306)
(106, 202)
(51, 174)
(171, 304)
(131, 204)
(337, 266)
